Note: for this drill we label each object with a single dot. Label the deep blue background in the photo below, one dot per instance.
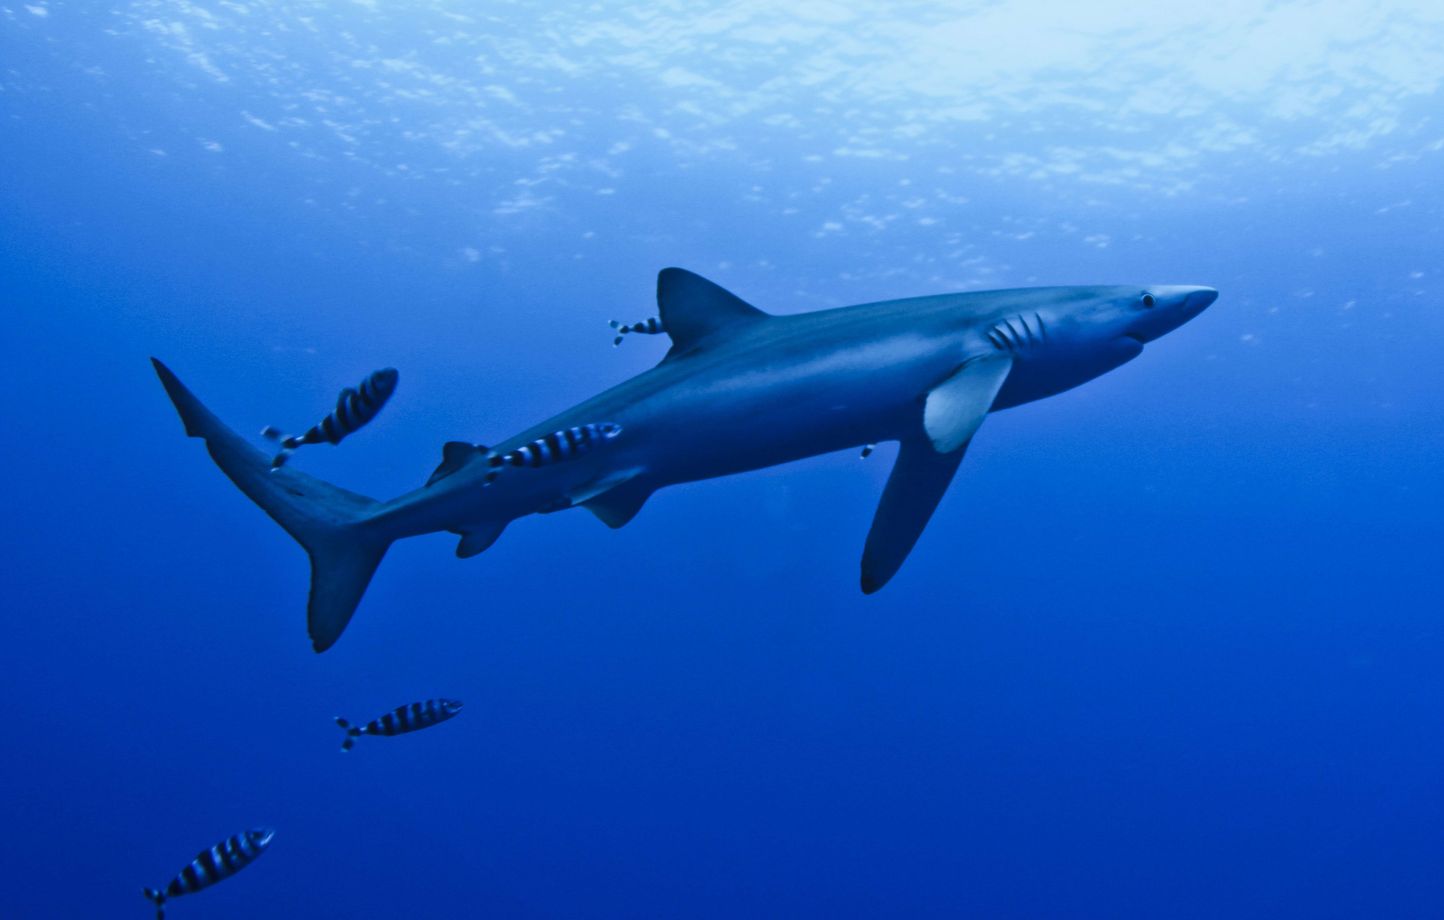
(1171, 647)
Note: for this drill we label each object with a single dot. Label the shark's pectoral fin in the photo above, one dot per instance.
(694, 308)
(454, 455)
(919, 478)
(957, 406)
(478, 539)
(952, 413)
(619, 504)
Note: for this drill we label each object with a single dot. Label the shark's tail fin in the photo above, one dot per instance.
(352, 733)
(158, 898)
(328, 521)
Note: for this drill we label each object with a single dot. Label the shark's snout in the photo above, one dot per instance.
(1166, 307)
(1189, 297)
(1199, 299)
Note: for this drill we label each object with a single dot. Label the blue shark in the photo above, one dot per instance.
(739, 390)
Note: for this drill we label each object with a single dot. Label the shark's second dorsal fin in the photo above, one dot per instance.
(454, 455)
(694, 308)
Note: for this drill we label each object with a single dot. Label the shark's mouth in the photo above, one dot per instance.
(1135, 337)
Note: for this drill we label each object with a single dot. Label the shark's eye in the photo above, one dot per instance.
(1148, 300)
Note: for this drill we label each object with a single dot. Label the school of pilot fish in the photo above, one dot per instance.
(923, 372)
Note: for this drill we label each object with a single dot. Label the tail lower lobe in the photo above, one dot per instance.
(328, 521)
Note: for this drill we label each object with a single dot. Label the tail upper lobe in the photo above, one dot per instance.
(328, 521)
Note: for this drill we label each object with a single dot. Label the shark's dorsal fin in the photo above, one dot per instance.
(694, 308)
(957, 406)
(478, 539)
(619, 505)
(919, 478)
(454, 455)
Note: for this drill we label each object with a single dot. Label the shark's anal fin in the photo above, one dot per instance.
(919, 478)
(478, 539)
(957, 406)
(454, 455)
(618, 505)
(693, 308)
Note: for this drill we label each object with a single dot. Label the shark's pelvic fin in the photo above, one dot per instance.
(694, 308)
(957, 406)
(919, 478)
(479, 539)
(620, 504)
(599, 486)
(330, 522)
(454, 455)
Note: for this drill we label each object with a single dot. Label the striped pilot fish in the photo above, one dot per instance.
(354, 408)
(652, 325)
(400, 720)
(567, 444)
(221, 861)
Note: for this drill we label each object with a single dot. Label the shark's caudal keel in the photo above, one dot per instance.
(739, 390)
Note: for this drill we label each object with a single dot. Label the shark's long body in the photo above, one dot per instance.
(739, 390)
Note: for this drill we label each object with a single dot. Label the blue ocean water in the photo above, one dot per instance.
(1170, 648)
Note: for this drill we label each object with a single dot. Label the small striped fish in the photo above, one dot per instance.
(354, 408)
(652, 325)
(867, 450)
(221, 861)
(401, 719)
(566, 444)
